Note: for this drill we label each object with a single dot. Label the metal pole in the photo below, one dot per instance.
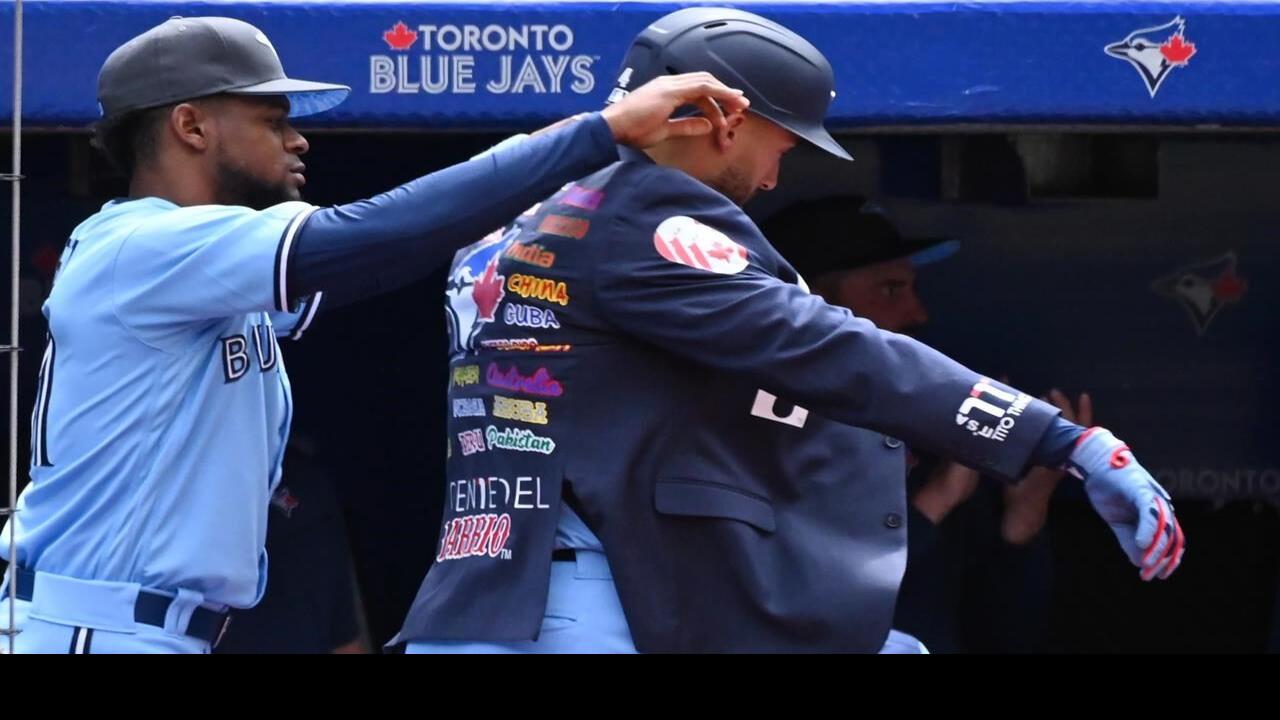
(14, 177)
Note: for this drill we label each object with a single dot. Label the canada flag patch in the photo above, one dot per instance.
(686, 241)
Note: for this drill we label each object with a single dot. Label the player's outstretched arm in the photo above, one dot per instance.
(376, 244)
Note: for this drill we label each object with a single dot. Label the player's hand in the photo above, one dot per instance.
(1026, 502)
(949, 485)
(1081, 414)
(1125, 495)
(643, 117)
(1036, 486)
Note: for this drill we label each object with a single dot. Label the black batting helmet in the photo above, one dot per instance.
(786, 78)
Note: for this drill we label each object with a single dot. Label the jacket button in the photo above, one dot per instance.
(892, 443)
(893, 521)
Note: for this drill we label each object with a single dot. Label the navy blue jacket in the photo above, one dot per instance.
(634, 345)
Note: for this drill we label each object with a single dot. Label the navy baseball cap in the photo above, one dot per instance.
(186, 58)
(844, 233)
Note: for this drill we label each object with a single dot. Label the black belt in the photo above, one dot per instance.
(564, 555)
(150, 609)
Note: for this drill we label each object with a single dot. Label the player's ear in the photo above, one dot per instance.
(189, 124)
(729, 134)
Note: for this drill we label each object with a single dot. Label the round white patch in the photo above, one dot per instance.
(686, 241)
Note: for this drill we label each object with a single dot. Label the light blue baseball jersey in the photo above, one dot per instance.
(163, 406)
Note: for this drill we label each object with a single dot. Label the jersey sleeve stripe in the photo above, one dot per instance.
(283, 253)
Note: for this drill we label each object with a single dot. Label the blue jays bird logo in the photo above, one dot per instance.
(1203, 290)
(474, 289)
(1155, 51)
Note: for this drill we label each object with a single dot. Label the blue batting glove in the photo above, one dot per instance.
(1125, 495)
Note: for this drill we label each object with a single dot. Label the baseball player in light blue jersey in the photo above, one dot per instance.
(163, 404)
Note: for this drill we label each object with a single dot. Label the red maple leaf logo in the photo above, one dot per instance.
(720, 252)
(400, 37)
(1229, 287)
(725, 253)
(1176, 50)
(488, 292)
